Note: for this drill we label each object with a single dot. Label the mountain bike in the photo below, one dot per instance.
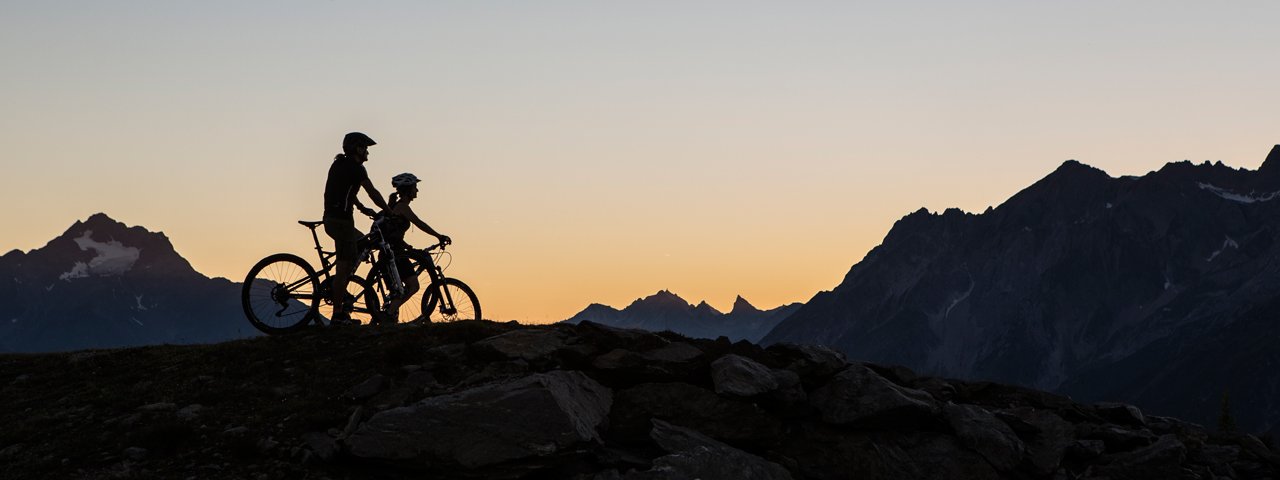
(282, 293)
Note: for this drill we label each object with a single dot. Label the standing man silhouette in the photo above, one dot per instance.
(346, 176)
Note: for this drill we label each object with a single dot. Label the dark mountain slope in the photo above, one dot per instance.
(1068, 281)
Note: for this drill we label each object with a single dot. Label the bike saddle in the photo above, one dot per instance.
(310, 224)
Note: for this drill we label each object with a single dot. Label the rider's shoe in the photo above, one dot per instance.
(342, 320)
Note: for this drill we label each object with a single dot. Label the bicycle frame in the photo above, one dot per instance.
(328, 263)
(385, 257)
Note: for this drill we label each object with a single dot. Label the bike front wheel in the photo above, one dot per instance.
(449, 300)
(280, 293)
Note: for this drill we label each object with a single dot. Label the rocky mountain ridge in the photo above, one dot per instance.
(667, 311)
(486, 400)
(104, 284)
(1159, 290)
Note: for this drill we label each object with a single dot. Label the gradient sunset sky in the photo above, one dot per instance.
(592, 151)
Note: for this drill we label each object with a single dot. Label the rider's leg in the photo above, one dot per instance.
(345, 236)
(410, 288)
(339, 295)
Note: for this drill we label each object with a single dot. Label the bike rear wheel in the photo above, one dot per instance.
(280, 294)
(449, 300)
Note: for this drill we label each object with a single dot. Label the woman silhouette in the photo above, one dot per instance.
(399, 217)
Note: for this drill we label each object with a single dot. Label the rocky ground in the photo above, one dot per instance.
(494, 400)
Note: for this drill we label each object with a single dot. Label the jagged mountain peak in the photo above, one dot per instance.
(706, 308)
(741, 305)
(101, 246)
(1270, 169)
(105, 228)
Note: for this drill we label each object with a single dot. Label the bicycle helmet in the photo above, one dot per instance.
(404, 180)
(356, 140)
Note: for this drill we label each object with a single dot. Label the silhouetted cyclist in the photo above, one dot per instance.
(399, 217)
(346, 176)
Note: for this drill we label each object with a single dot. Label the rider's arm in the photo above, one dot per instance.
(413, 217)
(361, 208)
(374, 194)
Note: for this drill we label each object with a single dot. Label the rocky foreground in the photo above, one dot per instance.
(489, 400)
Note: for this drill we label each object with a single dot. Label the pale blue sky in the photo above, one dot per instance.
(599, 151)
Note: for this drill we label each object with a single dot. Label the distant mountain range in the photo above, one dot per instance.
(667, 311)
(1161, 290)
(103, 284)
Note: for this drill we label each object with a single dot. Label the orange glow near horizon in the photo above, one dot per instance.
(596, 153)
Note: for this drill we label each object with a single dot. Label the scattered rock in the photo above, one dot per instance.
(1116, 438)
(136, 453)
(675, 352)
(618, 358)
(266, 445)
(368, 388)
(1255, 446)
(78, 357)
(694, 455)
(190, 412)
(859, 395)
(741, 376)
(790, 395)
(12, 450)
(1161, 459)
(1120, 413)
(353, 422)
(698, 408)
(811, 362)
(450, 352)
(1046, 437)
(324, 446)
(420, 379)
(158, 407)
(1084, 450)
(129, 421)
(392, 398)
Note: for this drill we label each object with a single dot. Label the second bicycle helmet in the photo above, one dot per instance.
(404, 180)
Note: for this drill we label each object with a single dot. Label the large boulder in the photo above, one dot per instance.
(814, 363)
(1046, 436)
(525, 344)
(741, 376)
(859, 395)
(537, 415)
(982, 432)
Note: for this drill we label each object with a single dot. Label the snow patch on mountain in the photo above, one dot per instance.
(114, 258)
(1236, 197)
(1229, 242)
